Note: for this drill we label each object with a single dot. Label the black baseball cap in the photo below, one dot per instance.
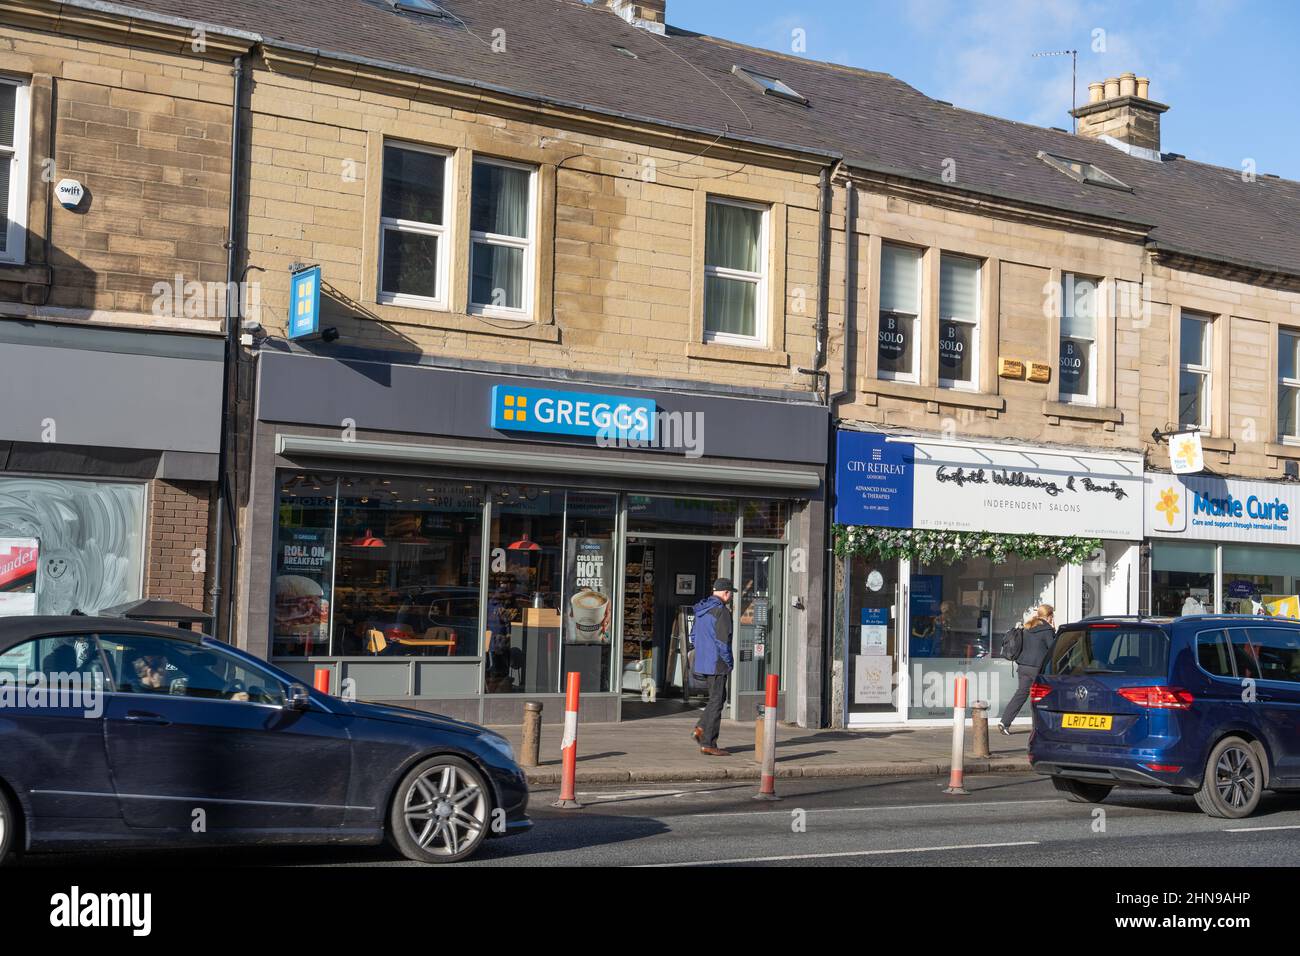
(723, 584)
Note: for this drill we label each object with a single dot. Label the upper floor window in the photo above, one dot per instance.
(1078, 358)
(897, 349)
(735, 272)
(413, 247)
(959, 296)
(502, 215)
(1288, 385)
(13, 169)
(1195, 355)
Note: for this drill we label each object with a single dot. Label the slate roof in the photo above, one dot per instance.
(564, 51)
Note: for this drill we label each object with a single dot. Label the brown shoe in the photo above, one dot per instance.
(715, 752)
(698, 734)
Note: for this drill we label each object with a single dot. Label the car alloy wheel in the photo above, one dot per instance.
(8, 829)
(1233, 780)
(441, 811)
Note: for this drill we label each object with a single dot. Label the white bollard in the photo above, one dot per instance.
(955, 781)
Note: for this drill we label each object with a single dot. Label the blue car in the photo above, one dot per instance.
(114, 733)
(1204, 705)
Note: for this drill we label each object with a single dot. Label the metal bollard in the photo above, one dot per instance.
(955, 778)
(569, 746)
(532, 745)
(979, 720)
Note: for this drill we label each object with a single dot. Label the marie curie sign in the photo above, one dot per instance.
(1222, 509)
(584, 414)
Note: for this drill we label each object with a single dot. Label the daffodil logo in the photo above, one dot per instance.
(1186, 451)
(1169, 505)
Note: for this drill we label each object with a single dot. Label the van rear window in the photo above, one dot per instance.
(1128, 651)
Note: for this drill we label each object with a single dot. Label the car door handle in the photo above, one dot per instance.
(145, 717)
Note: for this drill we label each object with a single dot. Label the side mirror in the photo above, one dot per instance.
(297, 698)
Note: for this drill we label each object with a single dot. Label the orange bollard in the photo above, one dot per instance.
(569, 746)
(323, 679)
(955, 777)
(767, 785)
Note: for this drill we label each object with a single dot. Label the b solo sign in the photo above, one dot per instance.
(1222, 509)
(1001, 489)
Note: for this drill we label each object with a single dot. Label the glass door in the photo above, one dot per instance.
(874, 655)
(759, 630)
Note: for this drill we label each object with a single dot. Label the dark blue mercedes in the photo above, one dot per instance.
(124, 734)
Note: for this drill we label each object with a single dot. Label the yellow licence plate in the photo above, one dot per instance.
(1085, 721)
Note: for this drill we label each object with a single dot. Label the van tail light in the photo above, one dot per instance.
(1161, 698)
(1038, 691)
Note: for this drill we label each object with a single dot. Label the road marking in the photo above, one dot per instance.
(1258, 829)
(827, 856)
(914, 806)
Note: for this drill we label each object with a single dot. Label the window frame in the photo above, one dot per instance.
(975, 381)
(1288, 382)
(528, 245)
(1077, 398)
(19, 157)
(762, 279)
(444, 233)
(1205, 372)
(914, 376)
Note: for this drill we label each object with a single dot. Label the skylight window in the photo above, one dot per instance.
(426, 7)
(769, 85)
(1082, 172)
(626, 52)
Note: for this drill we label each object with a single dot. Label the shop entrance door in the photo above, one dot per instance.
(874, 656)
(760, 618)
(665, 578)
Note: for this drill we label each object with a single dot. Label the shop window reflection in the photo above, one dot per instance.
(407, 576)
(524, 620)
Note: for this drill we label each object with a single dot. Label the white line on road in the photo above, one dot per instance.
(1258, 829)
(913, 806)
(827, 856)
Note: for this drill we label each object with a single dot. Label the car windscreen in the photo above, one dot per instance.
(1130, 650)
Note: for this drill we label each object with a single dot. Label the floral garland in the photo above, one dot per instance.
(934, 547)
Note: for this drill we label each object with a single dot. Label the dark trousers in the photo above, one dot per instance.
(1027, 677)
(711, 721)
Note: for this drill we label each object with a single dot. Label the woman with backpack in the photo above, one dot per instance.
(1038, 636)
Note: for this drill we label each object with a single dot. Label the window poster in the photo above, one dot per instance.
(590, 590)
(19, 560)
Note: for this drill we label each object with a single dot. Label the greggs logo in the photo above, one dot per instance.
(572, 413)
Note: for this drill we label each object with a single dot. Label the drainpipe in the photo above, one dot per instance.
(832, 399)
(225, 510)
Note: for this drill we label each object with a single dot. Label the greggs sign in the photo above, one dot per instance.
(586, 414)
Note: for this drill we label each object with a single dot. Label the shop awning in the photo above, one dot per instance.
(681, 469)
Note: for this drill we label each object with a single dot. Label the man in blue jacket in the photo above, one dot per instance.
(712, 639)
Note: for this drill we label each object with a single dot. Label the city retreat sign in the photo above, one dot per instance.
(1005, 489)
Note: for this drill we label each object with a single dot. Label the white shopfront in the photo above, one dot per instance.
(1223, 545)
(913, 623)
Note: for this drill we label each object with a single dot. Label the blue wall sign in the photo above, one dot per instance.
(588, 414)
(873, 480)
(304, 303)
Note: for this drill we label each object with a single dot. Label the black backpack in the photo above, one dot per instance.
(1014, 643)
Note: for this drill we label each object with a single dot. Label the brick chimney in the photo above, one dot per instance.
(646, 14)
(1120, 113)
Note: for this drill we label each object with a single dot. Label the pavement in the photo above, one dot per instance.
(660, 749)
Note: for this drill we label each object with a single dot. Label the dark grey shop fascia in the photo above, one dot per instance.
(298, 389)
(109, 402)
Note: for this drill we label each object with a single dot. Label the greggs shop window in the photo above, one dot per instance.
(371, 566)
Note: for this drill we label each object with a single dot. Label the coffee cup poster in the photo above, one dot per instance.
(590, 590)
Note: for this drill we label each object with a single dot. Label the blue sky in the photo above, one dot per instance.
(1228, 69)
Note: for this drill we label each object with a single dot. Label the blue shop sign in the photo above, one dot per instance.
(587, 414)
(873, 480)
(304, 303)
